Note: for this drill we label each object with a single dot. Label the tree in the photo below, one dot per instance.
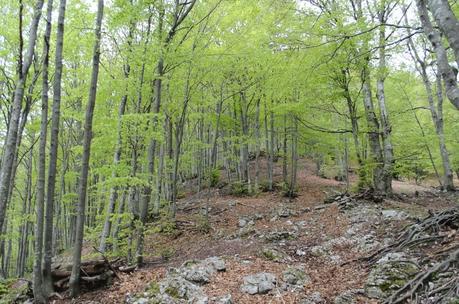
(75, 277)
(10, 150)
(37, 273)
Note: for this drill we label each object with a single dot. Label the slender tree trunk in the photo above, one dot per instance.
(50, 198)
(384, 115)
(244, 149)
(437, 117)
(159, 181)
(39, 296)
(213, 158)
(10, 150)
(24, 227)
(293, 175)
(116, 159)
(118, 222)
(284, 152)
(74, 282)
(447, 171)
(257, 145)
(268, 149)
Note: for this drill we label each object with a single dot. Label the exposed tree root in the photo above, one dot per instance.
(424, 232)
(409, 289)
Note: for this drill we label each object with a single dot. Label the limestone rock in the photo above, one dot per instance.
(394, 214)
(314, 298)
(273, 254)
(391, 272)
(200, 271)
(295, 276)
(259, 283)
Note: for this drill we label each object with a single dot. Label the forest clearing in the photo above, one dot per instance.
(229, 151)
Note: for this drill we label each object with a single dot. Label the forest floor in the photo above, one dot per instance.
(269, 233)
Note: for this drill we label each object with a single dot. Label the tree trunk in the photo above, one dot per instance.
(74, 282)
(257, 145)
(12, 135)
(373, 133)
(116, 159)
(437, 117)
(268, 144)
(384, 115)
(448, 23)
(447, 73)
(50, 198)
(284, 152)
(293, 174)
(39, 296)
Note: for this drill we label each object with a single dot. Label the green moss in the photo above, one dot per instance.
(269, 255)
(153, 288)
(396, 283)
(173, 292)
(166, 253)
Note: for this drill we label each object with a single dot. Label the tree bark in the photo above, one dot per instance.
(74, 282)
(448, 23)
(39, 296)
(12, 135)
(49, 213)
(373, 133)
(437, 116)
(447, 73)
(388, 154)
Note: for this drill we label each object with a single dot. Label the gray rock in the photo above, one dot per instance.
(201, 271)
(274, 254)
(216, 262)
(258, 216)
(141, 301)
(318, 251)
(391, 272)
(244, 221)
(314, 298)
(247, 231)
(281, 235)
(232, 203)
(367, 243)
(348, 297)
(175, 288)
(300, 252)
(284, 211)
(259, 283)
(394, 214)
(226, 299)
(295, 276)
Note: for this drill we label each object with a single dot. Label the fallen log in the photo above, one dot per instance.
(127, 269)
(99, 278)
(93, 272)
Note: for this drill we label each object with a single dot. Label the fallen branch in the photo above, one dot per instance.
(410, 288)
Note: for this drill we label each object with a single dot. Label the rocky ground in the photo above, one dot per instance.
(321, 247)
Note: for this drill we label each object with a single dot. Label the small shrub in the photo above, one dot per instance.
(166, 253)
(239, 188)
(214, 177)
(203, 224)
(264, 186)
(288, 191)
